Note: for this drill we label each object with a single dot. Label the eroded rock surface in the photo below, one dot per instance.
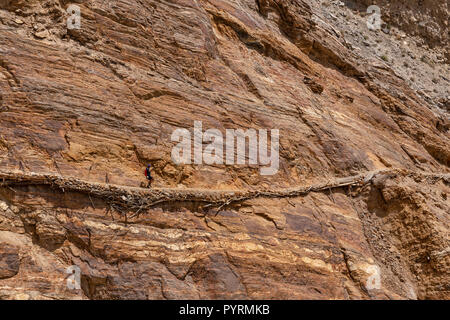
(100, 102)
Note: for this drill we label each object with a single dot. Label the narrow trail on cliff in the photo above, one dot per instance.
(137, 200)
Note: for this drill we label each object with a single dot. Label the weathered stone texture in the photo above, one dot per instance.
(101, 102)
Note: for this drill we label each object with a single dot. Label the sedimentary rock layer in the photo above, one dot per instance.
(91, 107)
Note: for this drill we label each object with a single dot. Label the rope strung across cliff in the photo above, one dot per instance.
(123, 198)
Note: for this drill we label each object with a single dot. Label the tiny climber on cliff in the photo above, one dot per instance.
(148, 175)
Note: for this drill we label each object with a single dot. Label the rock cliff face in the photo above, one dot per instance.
(425, 18)
(100, 102)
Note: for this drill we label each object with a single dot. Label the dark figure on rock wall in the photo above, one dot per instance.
(148, 175)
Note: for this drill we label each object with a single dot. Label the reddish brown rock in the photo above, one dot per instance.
(9, 261)
(100, 102)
